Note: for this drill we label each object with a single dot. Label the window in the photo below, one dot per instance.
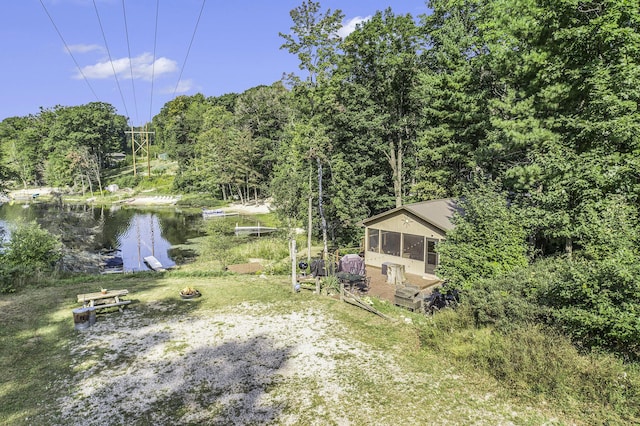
(413, 247)
(374, 240)
(390, 243)
(432, 256)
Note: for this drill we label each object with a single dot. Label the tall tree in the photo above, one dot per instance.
(376, 83)
(454, 94)
(264, 112)
(19, 140)
(314, 39)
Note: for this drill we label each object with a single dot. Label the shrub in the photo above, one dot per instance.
(505, 301)
(30, 251)
(488, 239)
(597, 303)
(533, 359)
(128, 181)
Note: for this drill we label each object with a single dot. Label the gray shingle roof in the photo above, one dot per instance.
(435, 212)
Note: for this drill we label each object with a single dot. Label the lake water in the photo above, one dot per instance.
(133, 232)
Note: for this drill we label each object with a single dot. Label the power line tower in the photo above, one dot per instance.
(140, 143)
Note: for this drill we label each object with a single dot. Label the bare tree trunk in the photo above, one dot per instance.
(240, 194)
(96, 171)
(395, 161)
(90, 184)
(323, 220)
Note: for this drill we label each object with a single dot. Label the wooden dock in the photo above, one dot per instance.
(254, 230)
(154, 263)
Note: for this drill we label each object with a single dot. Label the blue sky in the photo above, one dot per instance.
(236, 47)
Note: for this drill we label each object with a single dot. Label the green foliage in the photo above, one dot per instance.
(488, 239)
(268, 248)
(219, 242)
(608, 230)
(595, 302)
(523, 361)
(128, 180)
(31, 251)
(528, 359)
(377, 103)
(505, 301)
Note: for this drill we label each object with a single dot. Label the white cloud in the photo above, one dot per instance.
(183, 87)
(143, 67)
(350, 26)
(83, 48)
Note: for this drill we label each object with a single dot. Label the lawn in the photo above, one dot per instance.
(247, 352)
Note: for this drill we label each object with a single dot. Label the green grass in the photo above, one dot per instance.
(461, 374)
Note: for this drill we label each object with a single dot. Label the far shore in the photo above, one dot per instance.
(261, 207)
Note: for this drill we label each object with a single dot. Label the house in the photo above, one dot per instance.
(408, 235)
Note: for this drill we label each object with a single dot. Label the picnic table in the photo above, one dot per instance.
(100, 300)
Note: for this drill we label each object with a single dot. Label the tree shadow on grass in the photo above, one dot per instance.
(36, 328)
(224, 383)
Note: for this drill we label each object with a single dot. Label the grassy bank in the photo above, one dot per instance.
(251, 351)
(388, 372)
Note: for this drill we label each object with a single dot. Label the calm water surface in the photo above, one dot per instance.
(135, 233)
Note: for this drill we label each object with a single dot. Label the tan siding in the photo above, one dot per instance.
(405, 224)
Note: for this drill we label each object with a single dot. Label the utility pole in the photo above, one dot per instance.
(140, 143)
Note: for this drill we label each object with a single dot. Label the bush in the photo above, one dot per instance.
(597, 304)
(504, 302)
(31, 251)
(489, 238)
(128, 181)
(531, 359)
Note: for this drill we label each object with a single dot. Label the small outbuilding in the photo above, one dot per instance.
(408, 235)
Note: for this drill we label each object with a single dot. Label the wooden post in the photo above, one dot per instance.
(294, 272)
(310, 220)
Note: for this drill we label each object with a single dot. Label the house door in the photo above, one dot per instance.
(431, 258)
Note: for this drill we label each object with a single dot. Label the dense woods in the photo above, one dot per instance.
(527, 108)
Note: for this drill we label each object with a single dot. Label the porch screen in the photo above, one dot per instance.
(390, 243)
(413, 247)
(374, 240)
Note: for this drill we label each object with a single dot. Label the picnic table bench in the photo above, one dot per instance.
(101, 300)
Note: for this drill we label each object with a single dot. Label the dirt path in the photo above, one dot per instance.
(249, 364)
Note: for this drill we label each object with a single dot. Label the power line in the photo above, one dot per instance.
(133, 86)
(115, 75)
(189, 48)
(153, 65)
(69, 51)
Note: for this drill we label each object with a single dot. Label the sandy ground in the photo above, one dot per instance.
(241, 366)
(142, 200)
(249, 208)
(247, 364)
